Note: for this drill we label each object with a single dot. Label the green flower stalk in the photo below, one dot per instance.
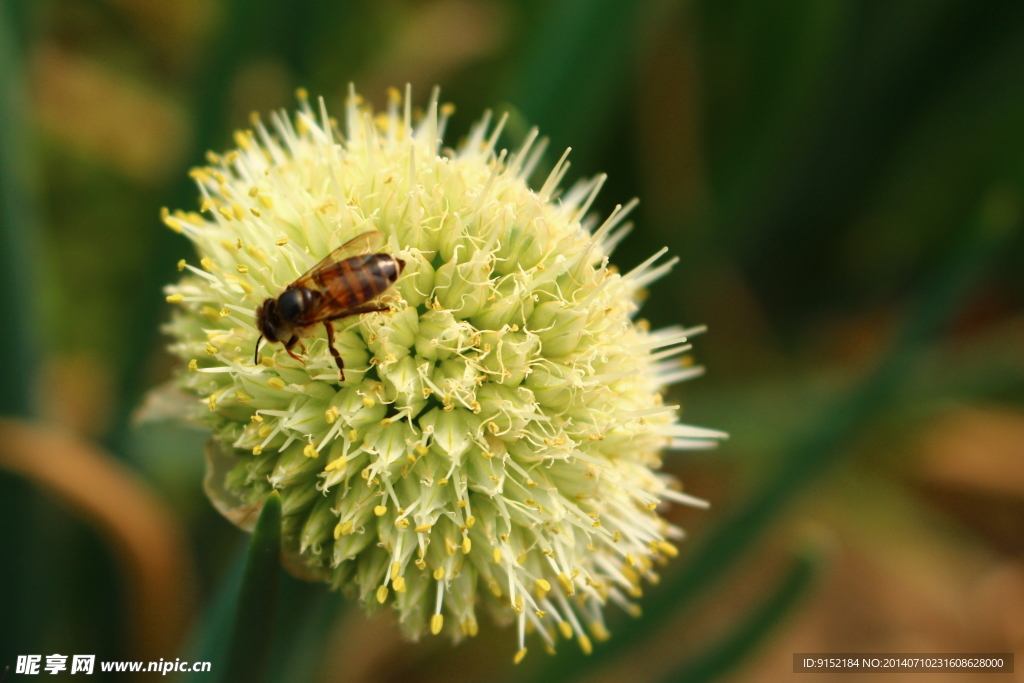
(496, 440)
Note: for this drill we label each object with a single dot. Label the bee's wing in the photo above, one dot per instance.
(366, 243)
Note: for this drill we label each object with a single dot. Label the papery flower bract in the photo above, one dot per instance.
(496, 440)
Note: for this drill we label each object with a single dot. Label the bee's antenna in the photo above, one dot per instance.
(256, 354)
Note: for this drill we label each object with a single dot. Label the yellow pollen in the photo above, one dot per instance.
(211, 349)
(439, 574)
(467, 545)
(267, 361)
(226, 212)
(399, 584)
(266, 201)
(276, 383)
(668, 549)
(256, 450)
(175, 298)
(181, 264)
(585, 645)
(242, 396)
(382, 594)
(443, 481)
(422, 528)
(543, 585)
(193, 365)
(333, 465)
(353, 435)
(343, 529)
(207, 265)
(331, 414)
(379, 510)
(652, 507)
(223, 313)
(567, 584)
(436, 623)
(470, 521)
(242, 269)
(281, 242)
(264, 431)
(461, 503)
(617, 537)
(496, 554)
(422, 450)
(310, 451)
(631, 559)
(368, 402)
(495, 588)
(256, 417)
(519, 656)
(566, 628)
(599, 631)
(254, 211)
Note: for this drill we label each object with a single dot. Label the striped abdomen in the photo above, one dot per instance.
(352, 282)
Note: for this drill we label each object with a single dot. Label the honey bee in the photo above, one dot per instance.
(343, 284)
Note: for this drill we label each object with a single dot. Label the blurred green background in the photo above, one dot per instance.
(842, 180)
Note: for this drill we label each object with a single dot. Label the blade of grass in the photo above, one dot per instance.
(574, 66)
(303, 631)
(252, 637)
(819, 447)
(19, 345)
(730, 652)
(212, 636)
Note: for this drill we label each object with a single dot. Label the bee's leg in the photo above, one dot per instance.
(334, 351)
(288, 347)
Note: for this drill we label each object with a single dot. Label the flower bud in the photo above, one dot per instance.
(439, 335)
(463, 288)
(507, 354)
(403, 385)
(558, 326)
(552, 385)
(417, 281)
(509, 303)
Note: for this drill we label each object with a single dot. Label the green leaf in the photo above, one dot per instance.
(252, 638)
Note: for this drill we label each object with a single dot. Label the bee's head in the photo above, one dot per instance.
(268, 320)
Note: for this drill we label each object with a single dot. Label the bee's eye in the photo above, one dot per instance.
(291, 303)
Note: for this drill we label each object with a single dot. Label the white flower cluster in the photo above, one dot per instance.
(496, 439)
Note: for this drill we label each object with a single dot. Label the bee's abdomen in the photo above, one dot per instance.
(354, 281)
